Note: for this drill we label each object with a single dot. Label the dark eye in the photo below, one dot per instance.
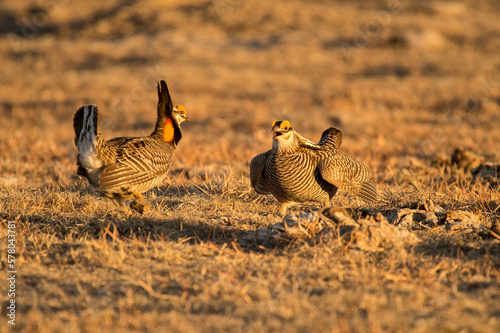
(286, 128)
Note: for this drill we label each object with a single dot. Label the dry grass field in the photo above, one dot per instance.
(407, 82)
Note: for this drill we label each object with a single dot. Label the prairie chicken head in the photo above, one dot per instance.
(283, 134)
(179, 113)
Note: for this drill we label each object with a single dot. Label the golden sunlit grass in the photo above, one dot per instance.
(407, 83)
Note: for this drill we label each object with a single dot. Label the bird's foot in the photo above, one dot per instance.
(283, 209)
(140, 205)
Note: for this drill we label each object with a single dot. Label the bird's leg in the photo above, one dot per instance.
(283, 208)
(137, 195)
(119, 201)
(139, 204)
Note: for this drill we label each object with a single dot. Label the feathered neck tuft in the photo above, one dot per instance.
(167, 128)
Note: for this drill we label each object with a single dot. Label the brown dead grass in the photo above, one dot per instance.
(406, 82)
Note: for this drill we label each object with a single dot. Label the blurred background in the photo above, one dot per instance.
(406, 81)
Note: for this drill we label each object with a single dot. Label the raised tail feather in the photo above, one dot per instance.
(331, 138)
(87, 138)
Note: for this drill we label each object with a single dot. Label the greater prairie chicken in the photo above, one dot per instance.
(298, 170)
(122, 168)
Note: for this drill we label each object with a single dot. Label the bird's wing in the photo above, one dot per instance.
(331, 139)
(139, 161)
(257, 166)
(348, 174)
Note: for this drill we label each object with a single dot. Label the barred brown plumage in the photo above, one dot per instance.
(298, 170)
(122, 168)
